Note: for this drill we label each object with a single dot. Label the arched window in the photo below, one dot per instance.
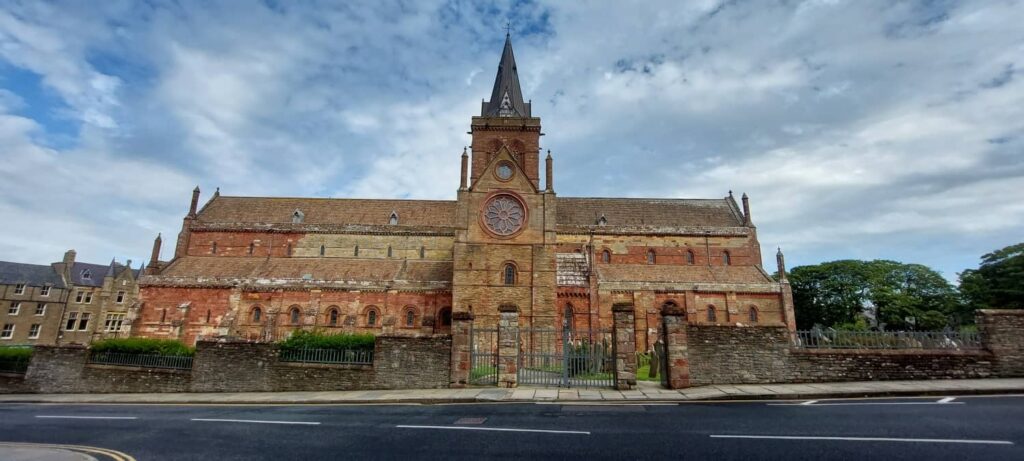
(650, 257)
(712, 317)
(252, 247)
(163, 315)
(753, 314)
(726, 258)
(689, 257)
(569, 317)
(410, 318)
(323, 250)
(294, 315)
(423, 252)
(257, 314)
(606, 256)
(371, 318)
(213, 248)
(445, 317)
(356, 252)
(509, 274)
(389, 251)
(332, 316)
(207, 316)
(393, 220)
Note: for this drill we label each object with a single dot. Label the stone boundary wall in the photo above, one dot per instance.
(399, 362)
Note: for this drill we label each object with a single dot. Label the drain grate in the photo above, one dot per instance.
(470, 420)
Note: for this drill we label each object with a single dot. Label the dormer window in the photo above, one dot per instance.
(298, 216)
(86, 274)
(602, 221)
(393, 220)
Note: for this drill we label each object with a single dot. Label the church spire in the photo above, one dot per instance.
(507, 96)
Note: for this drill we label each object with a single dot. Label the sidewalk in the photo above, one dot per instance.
(646, 392)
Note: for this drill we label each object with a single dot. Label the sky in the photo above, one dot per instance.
(859, 129)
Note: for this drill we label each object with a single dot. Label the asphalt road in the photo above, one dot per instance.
(919, 429)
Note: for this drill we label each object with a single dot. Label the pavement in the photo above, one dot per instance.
(645, 392)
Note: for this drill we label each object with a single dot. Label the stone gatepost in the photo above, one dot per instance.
(508, 345)
(462, 322)
(624, 346)
(1002, 333)
(678, 361)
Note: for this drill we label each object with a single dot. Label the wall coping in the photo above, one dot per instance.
(893, 352)
(1016, 312)
(171, 371)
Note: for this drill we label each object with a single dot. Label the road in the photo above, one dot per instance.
(914, 429)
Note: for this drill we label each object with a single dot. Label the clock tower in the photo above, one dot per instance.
(505, 241)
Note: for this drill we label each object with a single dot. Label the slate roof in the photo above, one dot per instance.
(506, 82)
(343, 270)
(96, 273)
(328, 211)
(29, 274)
(680, 274)
(644, 212)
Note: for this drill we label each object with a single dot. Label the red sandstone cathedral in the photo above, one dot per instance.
(262, 267)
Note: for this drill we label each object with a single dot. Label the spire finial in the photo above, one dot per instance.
(508, 29)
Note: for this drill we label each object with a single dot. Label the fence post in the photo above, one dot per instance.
(462, 322)
(676, 348)
(508, 345)
(624, 346)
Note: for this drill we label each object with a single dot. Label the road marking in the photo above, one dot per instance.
(858, 403)
(112, 454)
(809, 402)
(863, 439)
(495, 429)
(256, 421)
(85, 417)
(946, 400)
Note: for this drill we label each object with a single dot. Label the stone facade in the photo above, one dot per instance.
(102, 300)
(31, 300)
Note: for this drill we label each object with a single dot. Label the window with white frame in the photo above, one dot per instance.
(86, 275)
(120, 297)
(72, 319)
(8, 331)
(41, 309)
(79, 296)
(44, 291)
(33, 331)
(83, 321)
(113, 322)
(14, 309)
(88, 297)
(19, 289)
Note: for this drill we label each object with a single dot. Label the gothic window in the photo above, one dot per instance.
(332, 317)
(712, 317)
(410, 317)
(371, 318)
(294, 315)
(606, 256)
(213, 248)
(393, 220)
(257, 314)
(504, 215)
(509, 274)
(252, 248)
(753, 314)
(689, 257)
(650, 257)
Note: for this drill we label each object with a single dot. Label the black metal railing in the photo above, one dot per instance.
(174, 362)
(837, 339)
(333, 356)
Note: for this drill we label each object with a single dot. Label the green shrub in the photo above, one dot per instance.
(318, 340)
(15, 353)
(143, 346)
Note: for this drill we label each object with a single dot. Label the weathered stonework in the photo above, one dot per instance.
(461, 361)
(624, 347)
(508, 346)
(676, 347)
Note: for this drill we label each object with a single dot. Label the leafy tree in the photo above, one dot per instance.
(998, 283)
(829, 293)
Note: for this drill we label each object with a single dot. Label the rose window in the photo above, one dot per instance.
(504, 215)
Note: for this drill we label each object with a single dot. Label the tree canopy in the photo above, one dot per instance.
(999, 282)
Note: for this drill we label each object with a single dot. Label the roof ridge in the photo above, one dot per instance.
(336, 198)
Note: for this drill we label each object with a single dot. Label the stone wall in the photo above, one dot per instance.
(399, 362)
(1003, 333)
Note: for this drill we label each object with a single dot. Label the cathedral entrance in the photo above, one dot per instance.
(565, 357)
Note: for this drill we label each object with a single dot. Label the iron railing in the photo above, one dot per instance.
(836, 339)
(483, 356)
(174, 362)
(15, 359)
(334, 356)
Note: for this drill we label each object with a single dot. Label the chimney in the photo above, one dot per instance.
(465, 169)
(780, 259)
(549, 173)
(69, 257)
(195, 203)
(746, 211)
(155, 256)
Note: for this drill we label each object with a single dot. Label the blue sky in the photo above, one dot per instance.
(860, 129)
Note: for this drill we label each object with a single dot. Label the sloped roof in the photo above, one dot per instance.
(29, 274)
(333, 211)
(680, 274)
(249, 269)
(506, 84)
(96, 273)
(646, 212)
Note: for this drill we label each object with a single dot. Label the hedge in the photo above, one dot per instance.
(319, 340)
(143, 346)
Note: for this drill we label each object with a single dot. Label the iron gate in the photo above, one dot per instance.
(565, 357)
(483, 356)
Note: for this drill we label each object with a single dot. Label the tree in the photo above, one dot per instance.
(900, 296)
(998, 283)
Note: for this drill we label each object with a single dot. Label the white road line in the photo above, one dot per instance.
(863, 439)
(84, 417)
(256, 421)
(946, 400)
(859, 403)
(496, 429)
(809, 402)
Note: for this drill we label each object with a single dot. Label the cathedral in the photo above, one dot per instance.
(262, 267)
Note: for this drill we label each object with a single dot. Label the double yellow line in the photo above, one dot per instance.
(112, 454)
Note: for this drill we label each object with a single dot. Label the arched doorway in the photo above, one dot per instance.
(444, 320)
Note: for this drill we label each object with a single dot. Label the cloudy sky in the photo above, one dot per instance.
(860, 129)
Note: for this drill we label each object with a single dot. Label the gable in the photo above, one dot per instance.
(492, 177)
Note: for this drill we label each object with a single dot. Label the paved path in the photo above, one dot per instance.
(646, 392)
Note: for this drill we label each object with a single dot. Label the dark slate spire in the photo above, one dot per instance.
(506, 97)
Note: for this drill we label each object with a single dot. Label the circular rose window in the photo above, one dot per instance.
(504, 171)
(504, 215)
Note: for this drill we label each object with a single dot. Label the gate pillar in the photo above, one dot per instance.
(462, 322)
(624, 345)
(677, 359)
(508, 345)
